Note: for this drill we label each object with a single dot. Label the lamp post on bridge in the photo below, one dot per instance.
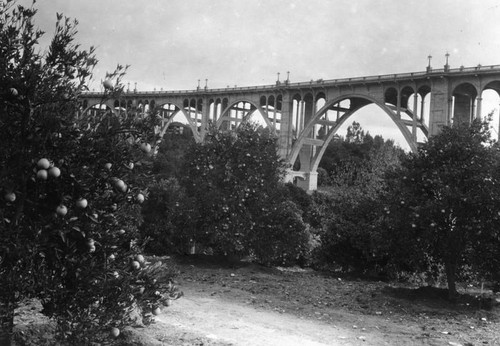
(429, 68)
(446, 66)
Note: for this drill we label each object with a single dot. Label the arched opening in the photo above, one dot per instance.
(334, 118)
(391, 97)
(375, 122)
(464, 97)
(237, 113)
(273, 114)
(297, 109)
(406, 92)
(489, 106)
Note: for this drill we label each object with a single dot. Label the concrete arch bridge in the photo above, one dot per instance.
(306, 116)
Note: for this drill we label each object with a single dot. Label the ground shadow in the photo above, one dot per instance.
(437, 298)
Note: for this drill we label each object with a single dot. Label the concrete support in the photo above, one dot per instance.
(478, 107)
(307, 151)
(415, 115)
(440, 106)
(205, 116)
(422, 105)
(310, 183)
(286, 127)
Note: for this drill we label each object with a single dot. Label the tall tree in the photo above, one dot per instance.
(70, 192)
(234, 179)
(445, 202)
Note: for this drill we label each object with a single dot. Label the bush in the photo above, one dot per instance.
(239, 205)
(167, 213)
(280, 236)
(351, 235)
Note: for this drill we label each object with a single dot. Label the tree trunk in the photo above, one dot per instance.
(6, 322)
(451, 269)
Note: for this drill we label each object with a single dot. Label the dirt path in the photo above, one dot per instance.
(227, 321)
(249, 305)
(203, 319)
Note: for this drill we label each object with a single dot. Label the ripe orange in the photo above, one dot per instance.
(54, 172)
(108, 84)
(61, 210)
(43, 163)
(42, 174)
(115, 332)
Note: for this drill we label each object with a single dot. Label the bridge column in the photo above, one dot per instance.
(439, 107)
(286, 127)
(415, 115)
(310, 183)
(307, 151)
(205, 115)
(478, 107)
(463, 109)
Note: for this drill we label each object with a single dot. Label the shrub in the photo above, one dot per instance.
(168, 215)
(280, 236)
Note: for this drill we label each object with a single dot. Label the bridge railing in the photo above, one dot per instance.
(286, 84)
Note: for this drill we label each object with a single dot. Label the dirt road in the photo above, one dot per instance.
(247, 305)
(250, 305)
(243, 325)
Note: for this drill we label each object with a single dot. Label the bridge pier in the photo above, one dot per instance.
(305, 180)
(310, 183)
(286, 131)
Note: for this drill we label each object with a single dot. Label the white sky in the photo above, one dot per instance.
(170, 44)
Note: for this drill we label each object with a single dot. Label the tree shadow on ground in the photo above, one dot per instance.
(437, 298)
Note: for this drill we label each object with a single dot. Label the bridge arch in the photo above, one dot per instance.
(240, 111)
(168, 111)
(309, 147)
(98, 106)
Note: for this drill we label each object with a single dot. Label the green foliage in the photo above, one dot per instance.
(170, 157)
(357, 159)
(168, 214)
(280, 235)
(228, 176)
(351, 207)
(350, 237)
(355, 133)
(68, 223)
(233, 183)
(444, 204)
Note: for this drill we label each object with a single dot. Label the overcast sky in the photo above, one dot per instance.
(170, 44)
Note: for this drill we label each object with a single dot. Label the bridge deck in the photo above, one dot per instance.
(329, 82)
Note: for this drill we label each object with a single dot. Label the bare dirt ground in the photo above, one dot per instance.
(245, 304)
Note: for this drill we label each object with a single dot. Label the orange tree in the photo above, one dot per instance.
(444, 206)
(239, 204)
(71, 189)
